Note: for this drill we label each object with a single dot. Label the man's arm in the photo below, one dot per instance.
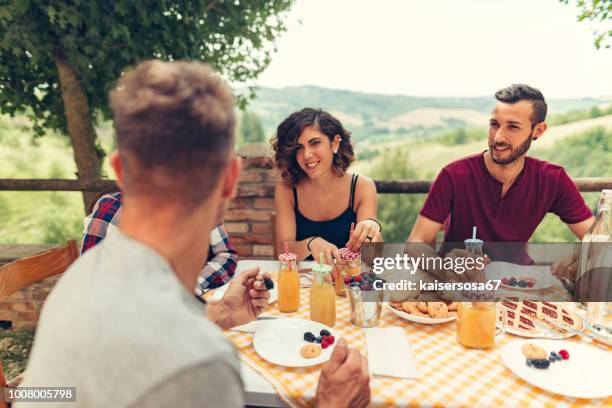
(424, 230)
(580, 228)
(221, 263)
(104, 216)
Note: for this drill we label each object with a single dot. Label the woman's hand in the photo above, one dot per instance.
(330, 252)
(365, 231)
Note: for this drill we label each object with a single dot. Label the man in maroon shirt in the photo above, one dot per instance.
(501, 191)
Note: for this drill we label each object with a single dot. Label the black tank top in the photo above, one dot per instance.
(335, 231)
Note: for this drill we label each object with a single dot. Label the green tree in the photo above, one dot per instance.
(250, 130)
(397, 212)
(600, 12)
(59, 59)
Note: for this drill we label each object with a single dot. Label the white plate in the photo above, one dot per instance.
(219, 292)
(537, 335)
(585, 375)
(500, 270)
(279, 341)
(419, 319)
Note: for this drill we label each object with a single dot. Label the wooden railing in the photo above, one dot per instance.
(384, 186)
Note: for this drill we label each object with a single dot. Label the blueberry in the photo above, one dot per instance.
(554, 357)
(522, 283)
(512, 282)
(318, 340)
(324, 333)
(308, 336)
(541, 363)
(529, 363)
(269, 283)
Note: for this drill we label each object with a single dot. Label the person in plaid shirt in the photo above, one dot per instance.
(222, 257)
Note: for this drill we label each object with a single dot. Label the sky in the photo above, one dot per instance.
(440, 48)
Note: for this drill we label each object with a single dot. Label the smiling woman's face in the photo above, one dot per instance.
(315, 154)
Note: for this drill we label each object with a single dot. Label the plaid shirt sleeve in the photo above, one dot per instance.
(103, 218)
(221, 264)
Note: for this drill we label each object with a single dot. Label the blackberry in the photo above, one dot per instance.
(309, 337)
(512, 282)
(522, 283)
(269, 283)
(324, 333)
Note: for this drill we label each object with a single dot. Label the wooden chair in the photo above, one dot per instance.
(26, 271)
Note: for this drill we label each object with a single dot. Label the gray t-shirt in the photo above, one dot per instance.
(120, 328)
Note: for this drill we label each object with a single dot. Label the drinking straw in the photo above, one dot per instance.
(321, 258)
(352, 228)
(474, 232)
(286, 246)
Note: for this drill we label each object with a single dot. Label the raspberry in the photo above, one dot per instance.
(504, 281)
(564, 353)
(347, 280)
(358, 278)
(324, 344)
(530, 284)
(328, 339)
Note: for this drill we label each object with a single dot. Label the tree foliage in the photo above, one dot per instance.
(397, 212)
(101, 38)
(599, 12)
(250, 129)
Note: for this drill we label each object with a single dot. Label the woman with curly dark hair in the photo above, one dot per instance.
(316, 199)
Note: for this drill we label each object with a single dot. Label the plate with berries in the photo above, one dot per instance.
(520, 277)
(293, 342)
(561, 367)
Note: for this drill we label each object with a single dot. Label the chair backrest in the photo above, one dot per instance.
(26, 271)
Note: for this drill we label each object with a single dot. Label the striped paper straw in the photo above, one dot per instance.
(286, 246)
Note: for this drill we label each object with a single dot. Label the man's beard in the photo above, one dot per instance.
(514, 154)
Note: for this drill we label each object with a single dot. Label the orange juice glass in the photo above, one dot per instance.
(288, 283)
(351, 267)
(322, 296)
(476, 324)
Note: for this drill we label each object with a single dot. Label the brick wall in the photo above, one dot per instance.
(23, 308)
(247, 220)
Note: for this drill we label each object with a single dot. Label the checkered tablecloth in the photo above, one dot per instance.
(449, 375)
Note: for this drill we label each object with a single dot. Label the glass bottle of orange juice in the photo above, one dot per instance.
(288, 283)
(476, 324)
(351, 267)
(322, 296)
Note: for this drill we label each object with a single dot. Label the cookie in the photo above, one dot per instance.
(310, 351)
(534, 352)
(422, 306)
(452, 307)
(396, 305)
(437, 310)
(409, 307)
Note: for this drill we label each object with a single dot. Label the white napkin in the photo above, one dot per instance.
(389, 353)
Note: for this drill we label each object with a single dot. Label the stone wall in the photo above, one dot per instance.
(247, 219)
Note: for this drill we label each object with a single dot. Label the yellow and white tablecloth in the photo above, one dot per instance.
(449, 374)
